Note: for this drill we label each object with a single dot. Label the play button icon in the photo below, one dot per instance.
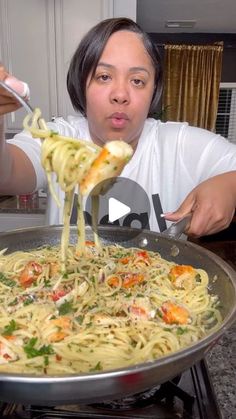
(116, 210)
(122, 202)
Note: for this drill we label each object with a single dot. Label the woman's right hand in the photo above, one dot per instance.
(7, 102)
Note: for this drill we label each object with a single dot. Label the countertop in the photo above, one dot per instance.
(23, 204)
(221, 359)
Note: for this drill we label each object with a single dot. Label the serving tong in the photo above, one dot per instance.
(177, 228)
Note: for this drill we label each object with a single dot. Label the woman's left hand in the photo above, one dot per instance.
(8, 103)
(212, 204)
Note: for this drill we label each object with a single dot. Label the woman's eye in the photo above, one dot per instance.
(103, 77)
(138, 82)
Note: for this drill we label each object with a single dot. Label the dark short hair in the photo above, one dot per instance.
(86, 57)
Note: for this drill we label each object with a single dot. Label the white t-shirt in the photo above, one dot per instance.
(170, 160)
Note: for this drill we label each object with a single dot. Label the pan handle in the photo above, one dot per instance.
(176, 229)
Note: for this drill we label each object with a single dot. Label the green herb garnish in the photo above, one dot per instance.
(181, 330)
(7, 281)
(28, 301)
(10, 328)
(52, 133)
(80, 319)
(66, 308)
(32, 352)
(46, 361)
(14, 302)
(98, 367)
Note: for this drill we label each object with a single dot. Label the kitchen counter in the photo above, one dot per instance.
(24, 204)
(22, 211)
(221, 359)
(222, 366)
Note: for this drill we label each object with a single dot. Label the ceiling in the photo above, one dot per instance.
(211, 16)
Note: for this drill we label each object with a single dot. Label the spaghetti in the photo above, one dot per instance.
(76, 163)
(114, 307)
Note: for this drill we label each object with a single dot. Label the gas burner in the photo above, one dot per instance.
(167, 391)
(189, 396)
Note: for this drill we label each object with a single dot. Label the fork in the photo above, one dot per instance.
(23, 102)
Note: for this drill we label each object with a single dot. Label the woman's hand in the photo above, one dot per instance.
(7, 102)
(212, 204)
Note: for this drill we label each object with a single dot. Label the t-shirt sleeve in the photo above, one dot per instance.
(206, 154)
(32, 148)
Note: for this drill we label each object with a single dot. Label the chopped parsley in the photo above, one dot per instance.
(28, 301)
(80, 319)
(52, 133)
(98, 367)
(32, 352)
(14, 302)
(65, 308)
(10, 328)
(47, 283)
(46, 361)
(7, 281)
(181, 330)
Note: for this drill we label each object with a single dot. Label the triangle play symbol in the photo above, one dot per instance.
(116, 209)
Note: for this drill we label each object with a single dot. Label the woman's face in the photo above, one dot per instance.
(119, 95)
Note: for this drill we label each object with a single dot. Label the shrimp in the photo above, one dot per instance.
(63, 321)
(64, 325)
(183, 276)
(57, 336)
(174, 314)
(128, 279)
(140, 307)
(139, 258)
(30, 274)
(108, 164)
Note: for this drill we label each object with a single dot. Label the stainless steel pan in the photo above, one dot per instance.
(119, 383)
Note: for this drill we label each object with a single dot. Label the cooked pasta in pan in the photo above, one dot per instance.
(112, 308)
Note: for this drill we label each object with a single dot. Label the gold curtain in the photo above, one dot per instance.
(192, 75)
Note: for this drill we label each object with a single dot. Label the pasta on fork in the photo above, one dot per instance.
(76, 163)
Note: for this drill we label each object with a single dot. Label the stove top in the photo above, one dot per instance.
(188, 396)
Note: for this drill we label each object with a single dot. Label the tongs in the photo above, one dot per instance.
(22, 101)
(177, 229)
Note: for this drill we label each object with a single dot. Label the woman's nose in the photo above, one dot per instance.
(120, 94)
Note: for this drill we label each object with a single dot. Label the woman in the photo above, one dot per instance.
(114, 81)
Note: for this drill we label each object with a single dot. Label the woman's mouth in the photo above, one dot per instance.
(119, 120)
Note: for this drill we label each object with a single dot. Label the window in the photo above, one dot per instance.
(226, 115)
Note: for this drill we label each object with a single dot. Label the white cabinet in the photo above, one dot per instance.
(37, 40)
(73, 19)
(28, 51)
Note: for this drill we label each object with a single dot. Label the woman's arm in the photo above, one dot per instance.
(17, 174)
(212, 204)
